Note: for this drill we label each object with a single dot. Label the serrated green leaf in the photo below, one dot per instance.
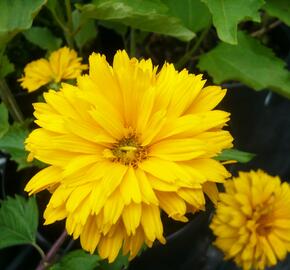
(42, 37)
(6, 67)
(16, 16)
(193, 13)
(150, 15)
(76, 260)
(249, 62)
(228, 13)
(4, 124)
(13, 143)
(279, 9)
(234, 154)
(86, 31)
(18, 221)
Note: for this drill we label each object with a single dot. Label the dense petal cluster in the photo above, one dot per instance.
(63, 64)
(123, 144)
(252, 220)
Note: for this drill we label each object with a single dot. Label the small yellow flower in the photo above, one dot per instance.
(252, 220)
(62, 64)
(123, 144)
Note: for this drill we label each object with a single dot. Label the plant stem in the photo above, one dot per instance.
(265, 29)
(58, 20)
(187, 56)
(132, 42)
(69, 32)
(52, 252)
(39, 249)
(10, 101)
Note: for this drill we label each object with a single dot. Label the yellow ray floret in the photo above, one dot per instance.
(63, 64)
(124, 144)
(252, 221)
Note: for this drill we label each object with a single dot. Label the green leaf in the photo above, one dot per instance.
(150, 15)
(279, 9)
(228, 13)
(4, 124)
(76, 260)
(18, 221)
(16, 16)
(120, 263)
(86, 31)
(121, 29)
(193, 13)
(13, 143)
(249, 62)
(42, 37)
(6, 67)
(234, 154)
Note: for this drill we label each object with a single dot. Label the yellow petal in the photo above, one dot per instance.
(109, 247)
(90, 236)
(148, 195)
(177, 150)
(130, 188)
(173, 205)
(151, 223)
(131, 217)
(42, 180)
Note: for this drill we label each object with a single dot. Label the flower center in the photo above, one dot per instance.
(127, 151)
(263, 216)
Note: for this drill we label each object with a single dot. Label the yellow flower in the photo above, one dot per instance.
(124, 143)
(252, 220)
(62, 64)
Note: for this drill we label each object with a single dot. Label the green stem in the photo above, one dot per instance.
(69, 32)
(132, 42)
(187, 56)
(10, 101)
(39, 249)
(58, 20)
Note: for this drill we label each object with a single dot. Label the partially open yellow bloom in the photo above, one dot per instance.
(252, 220)
(63, 64)
(123, 144)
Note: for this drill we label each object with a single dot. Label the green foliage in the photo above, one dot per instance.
(234, 154)
(42, 37)
(193, 13)
(6, 67)
(120, 263)
(121, 29)
(249, 62)
(13, 143)
(76, 260)
(12, 139)
(228, 13)
(16, 16)
(279, 9)
(4, 124)
(150, 15)
(18, 221)
(85, 31)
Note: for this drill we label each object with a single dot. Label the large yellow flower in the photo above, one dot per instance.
(252, 221)
(63, 64)
(123, 144)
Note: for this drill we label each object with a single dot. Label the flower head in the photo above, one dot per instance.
(123, 144)
(62, 64)
(252, 220)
